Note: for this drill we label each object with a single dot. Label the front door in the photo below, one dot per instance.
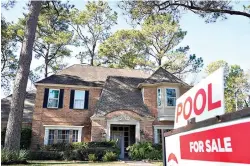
(119, 137)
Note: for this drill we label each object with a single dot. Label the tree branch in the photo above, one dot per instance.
(208, 10)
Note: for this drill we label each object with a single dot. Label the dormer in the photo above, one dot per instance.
(160, 92)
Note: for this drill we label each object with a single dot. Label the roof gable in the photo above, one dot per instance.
(162, 75)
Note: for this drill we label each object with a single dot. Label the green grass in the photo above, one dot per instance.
(79, 163)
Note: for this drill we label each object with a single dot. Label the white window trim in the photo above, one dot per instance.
(166, 96)
(83, 99)
(58, 127)
(156, 127)
(142, 92)
(54, 98)
(159, 106)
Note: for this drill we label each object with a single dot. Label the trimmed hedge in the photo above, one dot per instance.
(25, 141)
(75, 151)
(46, 155)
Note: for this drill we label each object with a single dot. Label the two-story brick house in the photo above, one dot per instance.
(86, 103)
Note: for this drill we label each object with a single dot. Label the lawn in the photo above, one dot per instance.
(83, 163)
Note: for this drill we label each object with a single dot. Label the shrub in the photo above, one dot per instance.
(110, 156)
(145, 150)
(79, 145)
(70, 155)
(12, 157)
(46, 155)
(92, 157)
(57, 147)
(25, 137)
(154, 155)
(76, 151)
(83, 153)
(157, 146)
(102, 144)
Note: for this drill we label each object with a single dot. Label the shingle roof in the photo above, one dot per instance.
(121, 93)
(90, 75)
(162, 75)
(70, 80)
(28, 107)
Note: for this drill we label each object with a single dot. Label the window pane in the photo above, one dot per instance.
(159, 97)
(171, 93)
(53, 93)
(171, 101)
(51, 137)
(79, 99)
(63, 136)
(159, 135)
(53, 103)
(79, 95)
(79, 104)
(75, 136)
(167, 130)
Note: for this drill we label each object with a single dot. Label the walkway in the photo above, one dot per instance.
(138, 163)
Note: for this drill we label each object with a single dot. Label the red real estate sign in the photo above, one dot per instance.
(205, 100)
(224, 144)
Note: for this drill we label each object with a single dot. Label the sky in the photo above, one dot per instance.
(227, 40)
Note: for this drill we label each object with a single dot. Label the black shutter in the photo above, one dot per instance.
(61, 98)
(86, 102)
(45, 97)
(72, 96)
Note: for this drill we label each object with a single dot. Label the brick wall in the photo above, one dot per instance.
(150, 99)
(99, 126)
(63, 116)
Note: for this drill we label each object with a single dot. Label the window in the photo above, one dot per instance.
(159, 135)
(53, 99)
(63, 136)
(51, 137)
(171, 97)
(75, 136)
(159, 97)
(79, 99)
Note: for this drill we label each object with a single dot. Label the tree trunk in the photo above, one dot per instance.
(13, 133)
(159, 62)
(47, 62)
(46, 68)
(92, 54)
(92, 60)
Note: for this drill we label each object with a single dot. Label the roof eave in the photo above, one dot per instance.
(66, 85)
(161, 83)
